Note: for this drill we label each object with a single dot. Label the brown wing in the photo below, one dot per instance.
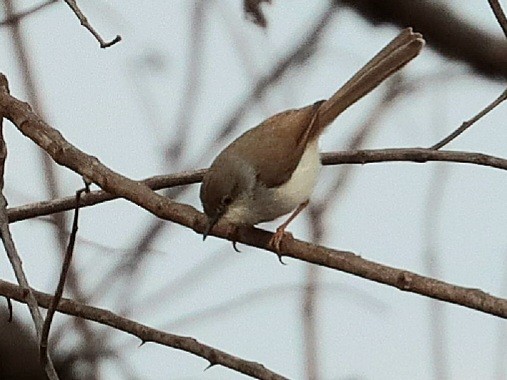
(281, 139)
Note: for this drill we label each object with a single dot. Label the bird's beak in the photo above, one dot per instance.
(212, 220)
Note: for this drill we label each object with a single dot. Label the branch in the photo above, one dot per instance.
(443, 29)
(467, 124)
(362, 157)
(84, 21)
(143, 332)
(12, 252)
(94, 171)
(418, 155)
(499, 14)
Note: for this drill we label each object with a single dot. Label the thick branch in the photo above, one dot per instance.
(443, 29)
(143, 332)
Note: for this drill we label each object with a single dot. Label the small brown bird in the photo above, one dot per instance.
(272, 168)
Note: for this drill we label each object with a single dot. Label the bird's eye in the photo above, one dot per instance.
(227, 200)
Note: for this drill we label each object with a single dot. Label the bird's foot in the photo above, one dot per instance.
(276, 241)
(233, 232)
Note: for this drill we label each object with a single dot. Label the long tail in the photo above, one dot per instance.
(390, 59)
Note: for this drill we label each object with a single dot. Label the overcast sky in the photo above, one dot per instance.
(124, 104)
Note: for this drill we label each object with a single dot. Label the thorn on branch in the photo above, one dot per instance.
(143, 342)
(211, 364)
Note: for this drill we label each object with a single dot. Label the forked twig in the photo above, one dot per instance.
(467, 124)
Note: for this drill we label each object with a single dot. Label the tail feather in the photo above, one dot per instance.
(389, 60)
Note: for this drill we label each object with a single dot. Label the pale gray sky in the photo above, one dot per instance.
(366, 330)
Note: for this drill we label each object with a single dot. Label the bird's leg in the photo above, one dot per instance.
(278, 236)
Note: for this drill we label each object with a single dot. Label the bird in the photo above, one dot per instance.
(271, 169)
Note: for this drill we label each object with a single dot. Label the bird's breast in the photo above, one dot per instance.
(266, 204)
(299, 187)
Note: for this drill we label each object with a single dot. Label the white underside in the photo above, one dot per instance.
(267, 204)
(299, 187)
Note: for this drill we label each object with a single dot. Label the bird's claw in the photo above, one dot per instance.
(276, 241)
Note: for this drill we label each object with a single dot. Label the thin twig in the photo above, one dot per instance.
(144, 333)
(43, 342)
(10, 247)
(467, 124)
(84, 22)
(499, 14)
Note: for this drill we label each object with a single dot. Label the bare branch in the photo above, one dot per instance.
(499, 14)
(419, 155)
(10, 248)
(144, 333)
(467, 124)
(84, 21)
